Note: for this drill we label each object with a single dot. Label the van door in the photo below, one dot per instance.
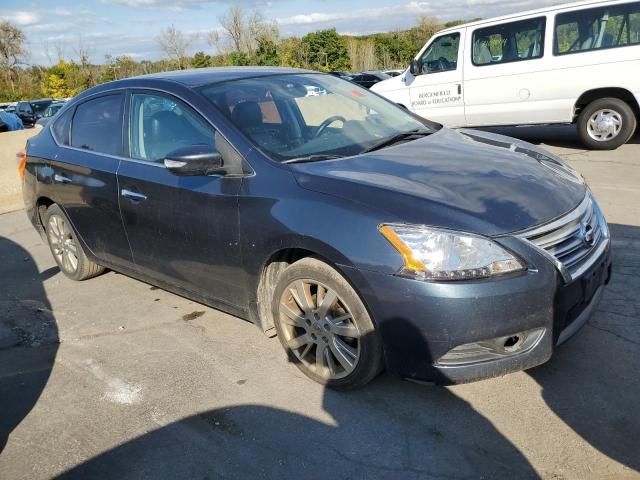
(506, 81)
(436, 90)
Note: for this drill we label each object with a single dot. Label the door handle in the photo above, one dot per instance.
(135, 196)
(459, 89)
(61, 178)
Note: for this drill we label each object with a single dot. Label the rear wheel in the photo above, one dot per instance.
(606, 124)
(324, 326)
(64, 245)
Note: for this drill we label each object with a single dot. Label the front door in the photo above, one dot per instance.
(183, 230)
(437, 91)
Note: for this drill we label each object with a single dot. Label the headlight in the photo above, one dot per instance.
(433, 254)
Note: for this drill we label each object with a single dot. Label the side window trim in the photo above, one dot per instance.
(542, 18)
(556, 45)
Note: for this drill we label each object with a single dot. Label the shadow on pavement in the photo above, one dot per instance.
(593, 381)
(390, 429)
(28, 336)
(553, 135)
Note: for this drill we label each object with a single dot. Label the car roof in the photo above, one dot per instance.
(192, 78)
(201, 76)
(527, 13)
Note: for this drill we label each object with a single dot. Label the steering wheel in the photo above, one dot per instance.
(323, 126)
(443, 64)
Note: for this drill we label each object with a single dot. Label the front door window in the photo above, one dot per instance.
(442, 55)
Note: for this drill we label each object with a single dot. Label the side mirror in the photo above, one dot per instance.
(414, 68)
(194, 160)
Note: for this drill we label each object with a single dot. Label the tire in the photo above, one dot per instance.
(65, 247)
(616, 117)
(339, 331)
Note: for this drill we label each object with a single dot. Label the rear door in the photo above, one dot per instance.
(84, 174)
(183, 230)
(437, 91)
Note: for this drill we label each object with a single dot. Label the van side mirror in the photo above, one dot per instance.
(195, 160)
(414, 68)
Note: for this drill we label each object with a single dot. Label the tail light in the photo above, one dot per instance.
(22, 155)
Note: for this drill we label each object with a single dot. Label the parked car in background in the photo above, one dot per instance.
(341, 74)
(49, 112)
(575, 63)
(9, 122)
(30, 111)
(369, 78)
(394, 72)
(359, 233)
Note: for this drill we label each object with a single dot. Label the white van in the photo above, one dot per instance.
(575, 63)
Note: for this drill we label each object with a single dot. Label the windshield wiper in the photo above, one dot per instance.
(311, 158)
(385, 142)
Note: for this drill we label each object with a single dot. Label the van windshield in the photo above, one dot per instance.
(305, 115)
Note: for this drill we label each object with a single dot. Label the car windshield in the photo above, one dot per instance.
(310, 115)
(40, 107)
(52, 110)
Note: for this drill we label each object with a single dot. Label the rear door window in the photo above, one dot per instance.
(62, 127)
(597, 28)
(97, 125)
(509, 42)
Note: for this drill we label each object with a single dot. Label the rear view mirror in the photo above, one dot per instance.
(194, 160)
(414, 67)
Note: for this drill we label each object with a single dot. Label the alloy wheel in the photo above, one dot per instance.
(319, 329)
(63, 243)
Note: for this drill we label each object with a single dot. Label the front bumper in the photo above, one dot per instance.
(419, 322)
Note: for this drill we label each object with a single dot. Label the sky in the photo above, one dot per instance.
(131, 27)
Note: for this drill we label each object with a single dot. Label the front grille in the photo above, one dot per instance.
(574, 241)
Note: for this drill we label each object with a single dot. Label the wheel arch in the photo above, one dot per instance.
(42, 204)
(615, 92)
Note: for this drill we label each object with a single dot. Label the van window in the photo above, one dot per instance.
(442, 54)
(97, 125)
(509, 42)
(597, 28)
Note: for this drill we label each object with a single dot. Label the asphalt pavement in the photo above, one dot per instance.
(113, 378)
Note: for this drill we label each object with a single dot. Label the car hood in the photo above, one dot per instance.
(459, 179)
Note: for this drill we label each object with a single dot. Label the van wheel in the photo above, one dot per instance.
(64, 245)
(606, 124)
(324, 326)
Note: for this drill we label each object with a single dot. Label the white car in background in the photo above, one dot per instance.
(575, 63)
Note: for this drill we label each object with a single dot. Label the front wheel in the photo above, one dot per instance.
(324, 326)
(606, 124)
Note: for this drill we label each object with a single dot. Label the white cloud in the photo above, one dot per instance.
(20, 18)
(390, 17)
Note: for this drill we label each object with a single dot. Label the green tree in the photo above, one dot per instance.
(201, 60)
(267, 52)
(239, 59)
(326, 50)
